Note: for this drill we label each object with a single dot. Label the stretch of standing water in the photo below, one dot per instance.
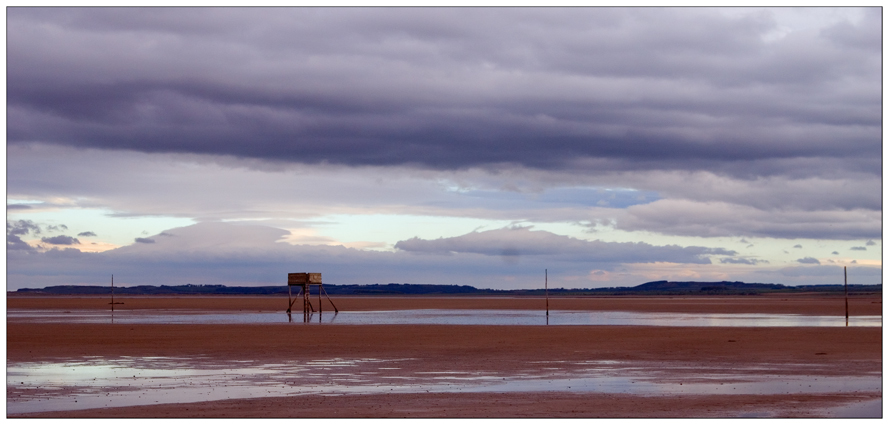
(442, 317)
(127, 381)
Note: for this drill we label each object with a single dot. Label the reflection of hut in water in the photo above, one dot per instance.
(305, 281)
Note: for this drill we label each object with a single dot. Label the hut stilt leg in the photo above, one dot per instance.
(328, 299)
(306, 303)
(294, 301)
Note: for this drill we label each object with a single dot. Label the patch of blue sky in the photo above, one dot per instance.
(22, 201)
(391, 228)
(109, 228)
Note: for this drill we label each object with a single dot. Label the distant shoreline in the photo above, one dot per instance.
(406, 289)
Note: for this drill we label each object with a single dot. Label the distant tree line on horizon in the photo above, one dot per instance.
(662, 287)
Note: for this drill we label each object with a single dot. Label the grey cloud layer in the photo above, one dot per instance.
(15, 231)
(450, 88)
(250, 254)
(688, 218)
(514, 242)
(681, 203)
(214, 253)
(61, 240)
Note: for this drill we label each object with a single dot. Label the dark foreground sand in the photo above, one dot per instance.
(825, 351)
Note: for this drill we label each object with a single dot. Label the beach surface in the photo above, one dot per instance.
(828, 353)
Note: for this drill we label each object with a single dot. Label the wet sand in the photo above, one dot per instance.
(775, 303)
(824, 351)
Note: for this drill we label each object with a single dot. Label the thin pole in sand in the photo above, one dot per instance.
(546, 289)
(846, 291)
(112, 294)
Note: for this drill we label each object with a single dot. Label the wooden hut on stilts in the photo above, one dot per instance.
(305, 281)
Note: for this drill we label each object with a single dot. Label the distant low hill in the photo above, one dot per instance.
(732, 288)
(661, 287)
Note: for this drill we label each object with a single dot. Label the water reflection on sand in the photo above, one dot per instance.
(442, 317)
(127, 381)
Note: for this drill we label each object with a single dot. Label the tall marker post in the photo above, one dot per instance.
(846, 292)
(112, 295)
(546, 290)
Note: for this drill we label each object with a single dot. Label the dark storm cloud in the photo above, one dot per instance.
(521, 241)
(61, 240)
(858, 248)
(18, 207)
(675, 88)
(144, 240)
(86, 234)
(54, 228)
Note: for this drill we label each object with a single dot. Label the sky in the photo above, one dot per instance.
(491, 147)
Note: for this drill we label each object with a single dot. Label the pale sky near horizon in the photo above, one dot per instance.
(478, 146)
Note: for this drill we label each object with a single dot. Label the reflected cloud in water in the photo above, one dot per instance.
(127, 381)
(443, 317)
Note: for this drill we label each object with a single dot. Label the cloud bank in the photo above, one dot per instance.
(675, 132)
(253, 254)
(450, 88)
(523, 241)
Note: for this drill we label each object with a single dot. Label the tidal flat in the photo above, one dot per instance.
(59, 367)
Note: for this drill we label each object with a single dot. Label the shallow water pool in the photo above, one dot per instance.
(127, 381)
(440, 317)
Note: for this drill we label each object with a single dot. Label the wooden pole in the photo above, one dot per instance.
(306, 303)
(112, 294)
(546, 289)
(309, 297)
(846, 291)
